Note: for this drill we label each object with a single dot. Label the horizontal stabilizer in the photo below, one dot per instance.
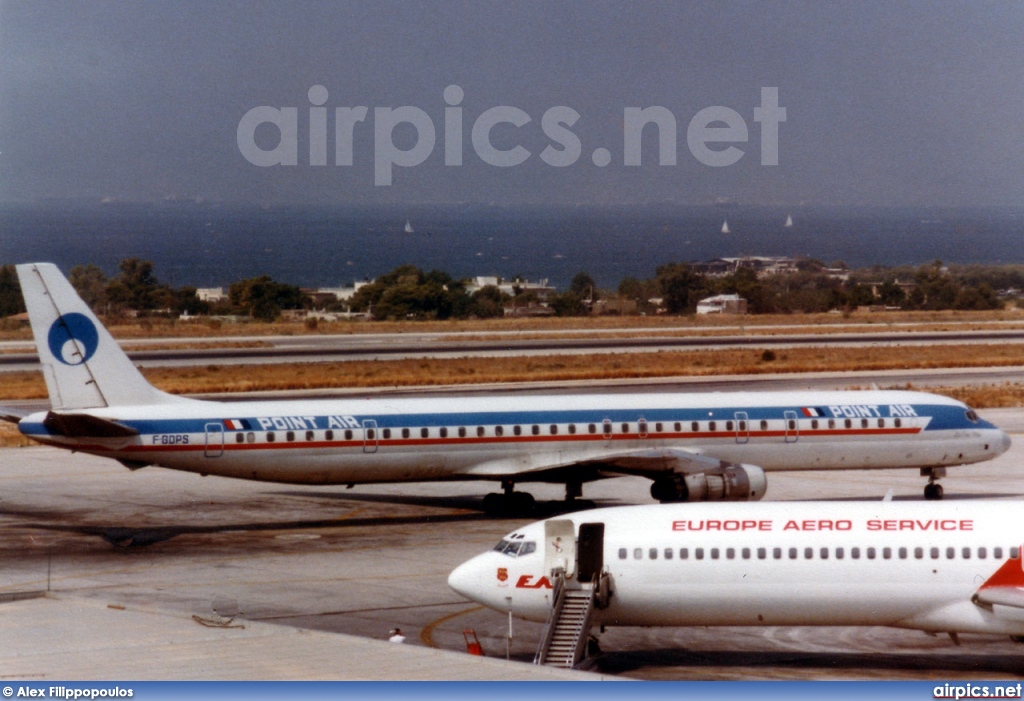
(8, 414)
(86, 426)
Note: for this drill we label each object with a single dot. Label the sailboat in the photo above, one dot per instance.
(789, 220)
(725, 227)
(408, 227)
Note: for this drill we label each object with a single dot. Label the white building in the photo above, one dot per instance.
(722, 304)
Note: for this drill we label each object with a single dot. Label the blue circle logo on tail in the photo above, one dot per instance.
(73, 327)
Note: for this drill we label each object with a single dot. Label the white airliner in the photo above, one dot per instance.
(695, 447)
(943, 568)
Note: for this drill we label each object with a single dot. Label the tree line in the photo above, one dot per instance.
(407, 292)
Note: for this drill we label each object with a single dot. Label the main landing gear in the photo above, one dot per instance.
(509, 502)
(933, 490)
(513, 503)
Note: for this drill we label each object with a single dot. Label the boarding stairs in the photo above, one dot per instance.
(564, 643)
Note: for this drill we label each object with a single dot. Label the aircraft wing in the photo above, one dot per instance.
(1004, 589)
(646, 463)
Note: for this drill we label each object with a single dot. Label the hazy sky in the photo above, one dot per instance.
(888, 103)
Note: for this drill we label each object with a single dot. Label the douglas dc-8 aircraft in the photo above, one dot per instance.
(695, 447)
(942, 568)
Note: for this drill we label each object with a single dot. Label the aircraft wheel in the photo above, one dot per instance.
(933, 491)
(521, 502)
(493, 503)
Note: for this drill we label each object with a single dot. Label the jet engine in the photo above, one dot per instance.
(728, 482)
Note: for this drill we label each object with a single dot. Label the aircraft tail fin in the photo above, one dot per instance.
(1005, 588)
(83, 366)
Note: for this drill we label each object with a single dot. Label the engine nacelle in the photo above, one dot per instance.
(726, 483)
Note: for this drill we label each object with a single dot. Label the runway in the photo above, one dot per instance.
(365, 560)
(256, 350)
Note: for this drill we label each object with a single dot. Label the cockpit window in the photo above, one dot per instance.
(515, 549)
(971, 415)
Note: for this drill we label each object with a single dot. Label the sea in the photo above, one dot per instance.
(211, 245)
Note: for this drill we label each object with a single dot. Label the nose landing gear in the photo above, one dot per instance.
(933, 490)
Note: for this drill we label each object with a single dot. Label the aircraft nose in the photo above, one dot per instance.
(1006, 442)
(465, 579)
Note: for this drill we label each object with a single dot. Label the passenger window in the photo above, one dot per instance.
(653, 553)
(897, 422)
(517, 430)
(746, 553)
(950, 553)
(250, 437)
(657, 427)
(863, 423)
(871, 553)
(309, 435)
(572, 428)
(462, 431)
(622, 553)
(823, 553)
(553, 428)
(638, 553)
(239, 438)
(405, 433)
(918, 553)
(270, 437)
(711, 425)
(591, 428)
(387, 433)
(370, 434)
(535, 430)
(855, 553)
(699, 553)
(480, 431)
(443, 432)
(694, 426)
(814, 423)
(677, 426)
(1015, 552)
(966, 553)
(848, 423)
(792, 553)
(982, 553)
(499, 430)
(831, 423)
(668, 553)
(839, 553)
(684, 553)
(762, 553)
(903, 553)
(792, 424)
(289, 436)
(934, 552)
(641, 426)
(887, 553)
(728, 426)
(730, 553)
(881, 423)
(764, 425)
(329, 435)
(997, 553)
(808, 553)
(625, 428)
(348, 434)
(714, 553)
(424, 433)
